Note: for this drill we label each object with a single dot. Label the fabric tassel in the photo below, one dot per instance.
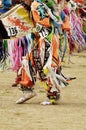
(65, 46)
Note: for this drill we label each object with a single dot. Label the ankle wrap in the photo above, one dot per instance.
(53, 95)
(23, 88)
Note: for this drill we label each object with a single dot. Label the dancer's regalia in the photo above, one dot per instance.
(43, 60)
(36, 56)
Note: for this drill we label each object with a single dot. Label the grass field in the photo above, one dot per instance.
(68, 114)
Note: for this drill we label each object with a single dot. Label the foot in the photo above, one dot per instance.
(50, 101)
(25, 97)
(14, 84)
(47, 102)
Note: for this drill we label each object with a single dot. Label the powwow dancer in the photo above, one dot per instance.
(77, 35)
(43, 56)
